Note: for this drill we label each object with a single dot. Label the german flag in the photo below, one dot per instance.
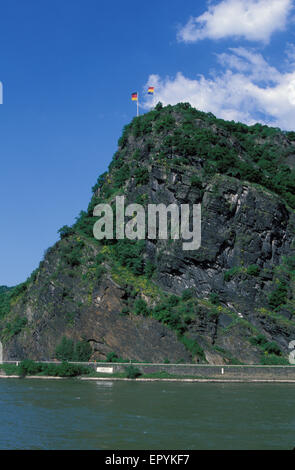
(151, 90)
(134, 97)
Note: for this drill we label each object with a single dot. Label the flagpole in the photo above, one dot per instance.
(137, 104)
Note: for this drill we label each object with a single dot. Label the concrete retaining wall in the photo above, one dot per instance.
(205, 371)
(197, 370)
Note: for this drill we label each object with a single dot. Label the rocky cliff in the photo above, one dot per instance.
(231, 301)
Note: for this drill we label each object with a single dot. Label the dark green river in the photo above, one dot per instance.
(73, 414)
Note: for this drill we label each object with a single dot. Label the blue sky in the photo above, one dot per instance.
(68, 68)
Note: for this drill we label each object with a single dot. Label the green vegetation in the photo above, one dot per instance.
(141, 308)
(13, 324)
(72, 253)
(132, 372)
(5, 298)
(121, 175)
(96, 270)
(271, 353)
(230, 274)
(175, 313)
(196, 181)
(14, 327)
(113, 357)
(279, 296)
(141, 175)
(10, 369)
(129, 253)
(3, 289)
(28, 367)
(253, 270)
(274, 360)
(67, 350)
(265, 345)
(65, 231)
(214, 298)
(83, 351)
(193, 347)
(188, 294)
(263, 155)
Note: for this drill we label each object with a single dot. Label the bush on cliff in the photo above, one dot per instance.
(67, 350)
(141, 308)
(83, 351)
(279, 296)
(129, 254)
(268, 347)
(274, 360)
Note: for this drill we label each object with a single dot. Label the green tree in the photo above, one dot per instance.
(65, 351)
(83, 351)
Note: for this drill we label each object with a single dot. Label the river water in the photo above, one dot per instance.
(73, 414)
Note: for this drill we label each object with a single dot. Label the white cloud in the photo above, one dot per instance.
(290, 52)
(247, 89)
(247, 61)
(254, 20)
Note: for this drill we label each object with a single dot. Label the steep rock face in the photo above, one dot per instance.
(130, 299)
(241, 226)
(65, 306)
